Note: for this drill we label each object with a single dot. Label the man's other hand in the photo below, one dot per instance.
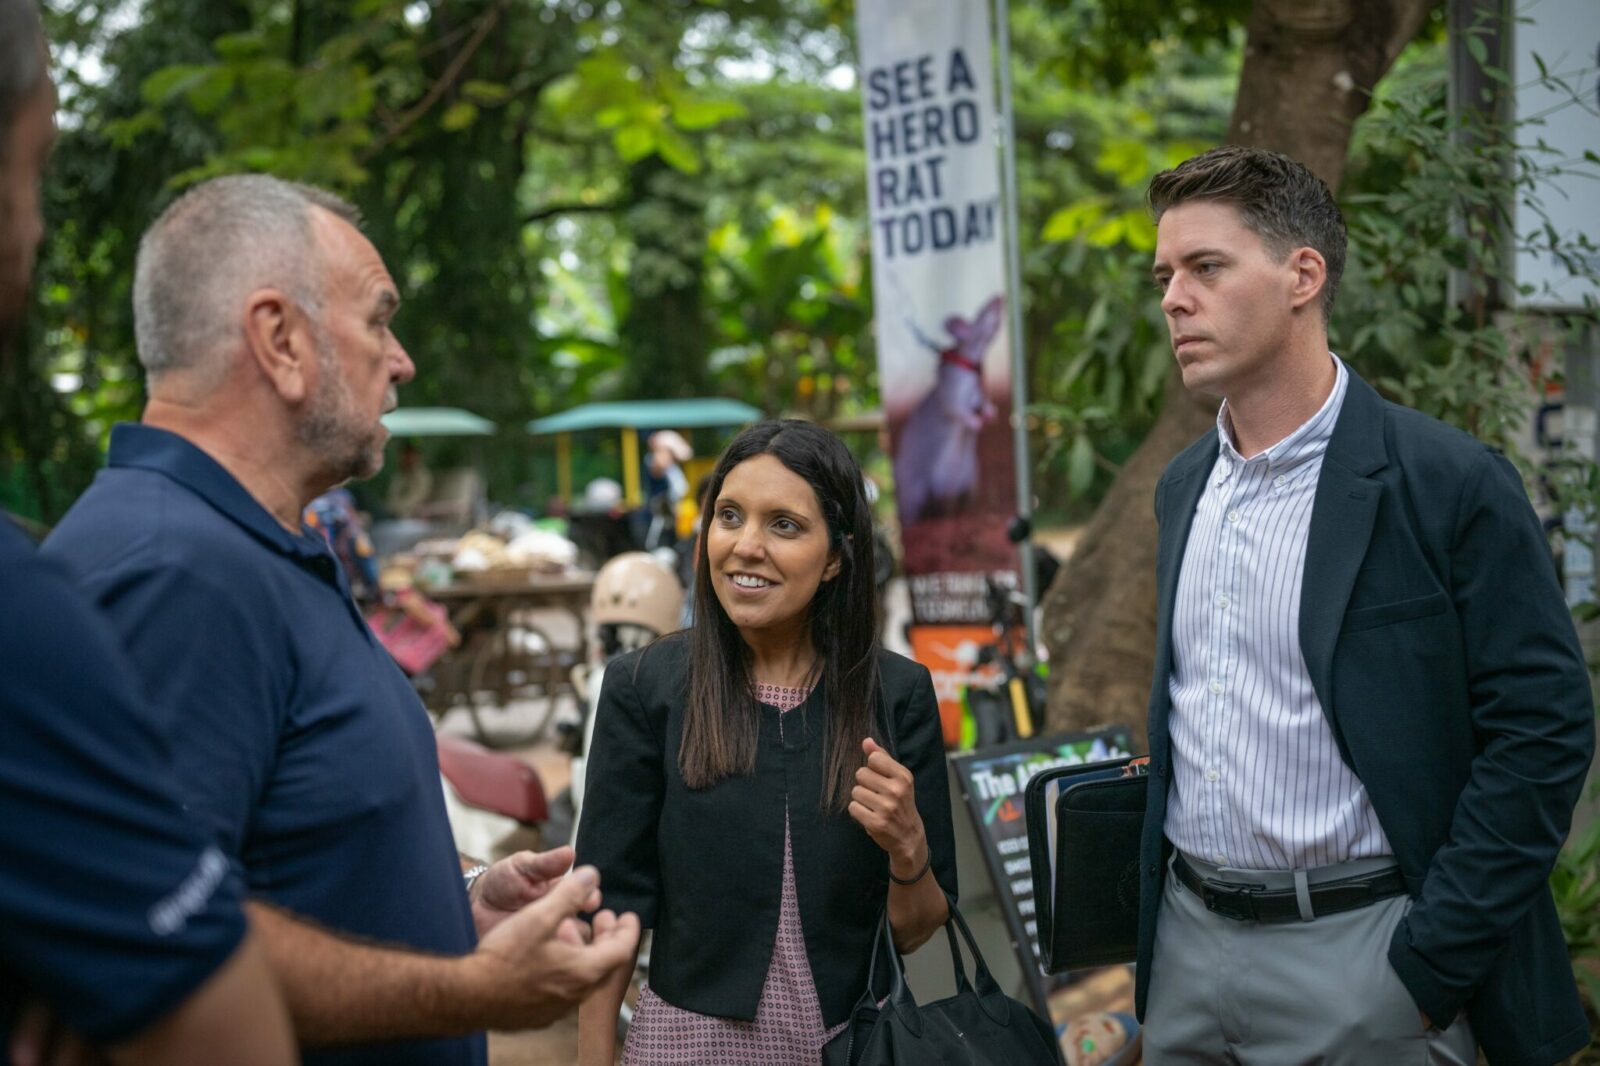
(536, 965)
(514, 882)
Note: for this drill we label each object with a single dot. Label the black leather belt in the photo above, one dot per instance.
(1258, 903)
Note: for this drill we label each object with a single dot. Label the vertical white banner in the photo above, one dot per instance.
(938, 271)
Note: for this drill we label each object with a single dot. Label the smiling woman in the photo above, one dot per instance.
(763, 786)
(789, 516)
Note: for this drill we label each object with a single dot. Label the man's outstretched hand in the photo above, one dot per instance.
(537, 964)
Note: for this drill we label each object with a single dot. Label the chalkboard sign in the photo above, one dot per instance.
(992, 781)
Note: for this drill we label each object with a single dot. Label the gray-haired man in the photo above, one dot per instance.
(263, 318)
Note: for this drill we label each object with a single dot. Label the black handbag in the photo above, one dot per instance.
(978, 1026)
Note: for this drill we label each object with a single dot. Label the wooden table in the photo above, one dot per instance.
(505, 652)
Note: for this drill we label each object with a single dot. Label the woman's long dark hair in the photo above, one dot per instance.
(722, 721)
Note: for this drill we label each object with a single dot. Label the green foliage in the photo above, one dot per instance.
(646, 113)
(1101, 352)
(791, 315)
(1112, 42)
(1429, 211)
(1575, 883)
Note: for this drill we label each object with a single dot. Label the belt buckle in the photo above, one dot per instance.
(1230, 901)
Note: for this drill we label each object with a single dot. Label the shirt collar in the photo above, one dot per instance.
(1308, 442)
(142, 447)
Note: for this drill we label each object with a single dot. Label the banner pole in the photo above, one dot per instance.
(1019, 355)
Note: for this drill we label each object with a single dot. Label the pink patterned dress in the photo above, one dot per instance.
(787, 1029)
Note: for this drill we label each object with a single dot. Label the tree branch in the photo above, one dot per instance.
(576, 207)
(446, 81)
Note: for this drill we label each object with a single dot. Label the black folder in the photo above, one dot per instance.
(1084, 825)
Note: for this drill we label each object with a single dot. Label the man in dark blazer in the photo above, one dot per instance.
(1370, 717)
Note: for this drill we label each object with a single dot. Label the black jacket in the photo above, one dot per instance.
(704, 869)
(1445, 659)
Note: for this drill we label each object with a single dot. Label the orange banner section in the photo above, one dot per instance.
(950, 653)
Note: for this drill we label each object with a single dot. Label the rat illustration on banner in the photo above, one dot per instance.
(936, 461)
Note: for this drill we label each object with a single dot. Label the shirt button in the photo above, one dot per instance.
(1220, 859)
(1279, 480)
(1216, 687)
(1233, 516)
(1212, 775)
(1222, 599)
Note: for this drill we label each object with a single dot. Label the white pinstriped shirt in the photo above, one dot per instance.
(1259, 783)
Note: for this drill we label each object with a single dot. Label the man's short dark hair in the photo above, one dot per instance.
(22, 60)
(1279, 199)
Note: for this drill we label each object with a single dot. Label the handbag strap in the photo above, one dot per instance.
(900, 997)
(987, 991)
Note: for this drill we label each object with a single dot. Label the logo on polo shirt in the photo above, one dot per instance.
(171, 914)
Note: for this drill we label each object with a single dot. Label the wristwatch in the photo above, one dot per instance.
(472, 875)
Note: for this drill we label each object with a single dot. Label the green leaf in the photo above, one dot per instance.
(1138, 231)
(704, 114)
(1126, 159)
(1478, 50)
(677, 151)
(1080, 465)
(1067, 222)
(170, 82)
(1157, 361)
(1107, 232)
(635, 141)
(212, 91)
(459, 115)
(123, 132)
(485, 93)
(235, 46)
(1096, 319)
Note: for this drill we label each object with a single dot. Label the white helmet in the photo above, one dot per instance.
(601, 494)
(634, 589)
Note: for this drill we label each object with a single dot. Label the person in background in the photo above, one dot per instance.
(412, 483)
(263, 318)
(668, 486)
(119, 921)
(1370, 718)
(334, 515)
(688, 551)
(762, 785)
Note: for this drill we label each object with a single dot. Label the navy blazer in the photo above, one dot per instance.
(704, 868)
(1442, 651)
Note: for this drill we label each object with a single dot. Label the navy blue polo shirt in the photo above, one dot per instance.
(113, 907)
(300, 745)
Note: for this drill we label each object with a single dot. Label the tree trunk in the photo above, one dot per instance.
(1309, 69)
(664, 333)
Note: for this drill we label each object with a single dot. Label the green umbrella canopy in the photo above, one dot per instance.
(436, 422)
(648, 414)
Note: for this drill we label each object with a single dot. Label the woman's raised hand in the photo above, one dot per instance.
(884, 803)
